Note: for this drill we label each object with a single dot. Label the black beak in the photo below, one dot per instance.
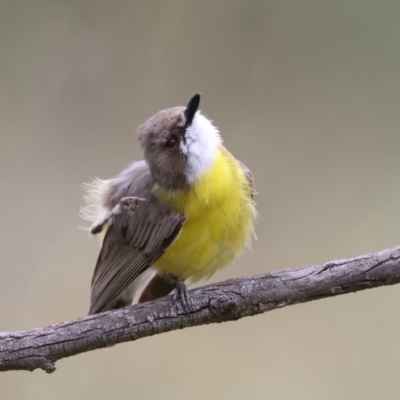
(191, 109)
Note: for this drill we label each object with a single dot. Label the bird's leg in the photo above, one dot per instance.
(126, 204)
(161, 285)
(181, 294)
(99, 225)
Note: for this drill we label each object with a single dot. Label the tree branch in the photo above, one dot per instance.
(224, 301)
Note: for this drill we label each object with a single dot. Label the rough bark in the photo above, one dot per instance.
(224, 301)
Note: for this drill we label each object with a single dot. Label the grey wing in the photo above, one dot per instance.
(134, 241)
(249, 177)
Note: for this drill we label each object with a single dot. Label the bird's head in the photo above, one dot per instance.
(179, 145)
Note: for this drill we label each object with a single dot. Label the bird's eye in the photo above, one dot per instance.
(171, 143)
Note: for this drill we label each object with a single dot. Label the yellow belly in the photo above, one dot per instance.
(219, 213)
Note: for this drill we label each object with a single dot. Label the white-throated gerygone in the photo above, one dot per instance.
(184, 211)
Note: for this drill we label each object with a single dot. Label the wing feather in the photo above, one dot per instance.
(134, 241)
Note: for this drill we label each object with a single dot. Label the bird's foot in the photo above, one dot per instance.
(181, 294)
(129, 203)
(126, 204)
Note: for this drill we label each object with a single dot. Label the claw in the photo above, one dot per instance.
(130, 203)
(126, 204)
(181, 294)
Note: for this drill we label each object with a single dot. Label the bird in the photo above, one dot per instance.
(180, 214)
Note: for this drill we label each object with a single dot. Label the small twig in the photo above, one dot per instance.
(224, 301)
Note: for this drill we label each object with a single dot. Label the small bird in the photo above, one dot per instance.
(184, 211)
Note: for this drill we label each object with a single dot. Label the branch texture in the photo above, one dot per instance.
(224, 301)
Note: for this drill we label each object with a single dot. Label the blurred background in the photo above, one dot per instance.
(306, 93)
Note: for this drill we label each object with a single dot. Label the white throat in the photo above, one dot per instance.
(202, 141)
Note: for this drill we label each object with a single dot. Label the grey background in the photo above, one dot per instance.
(306, 93)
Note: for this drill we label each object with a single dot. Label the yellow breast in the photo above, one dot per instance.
(219, 213)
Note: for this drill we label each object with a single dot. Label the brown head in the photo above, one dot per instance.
(179, 145)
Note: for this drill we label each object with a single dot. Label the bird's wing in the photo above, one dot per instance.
(249, 177)
(135, 240)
